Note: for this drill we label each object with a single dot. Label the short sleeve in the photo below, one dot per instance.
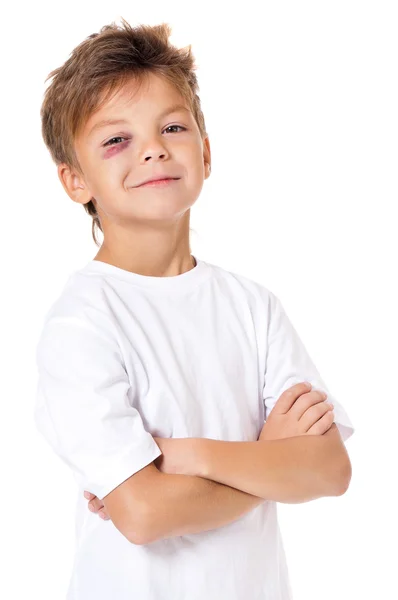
(288, 363)
(83, 409)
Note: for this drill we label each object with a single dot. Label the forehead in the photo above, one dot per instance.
(152, 94)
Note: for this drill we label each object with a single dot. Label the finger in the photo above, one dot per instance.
(289, 396)
(314, 413)
(309, 402)
(104, 516)
(95, 505)
(88, 495)
(322, 425)
(98, 503)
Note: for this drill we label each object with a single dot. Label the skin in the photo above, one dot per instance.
(146, 229)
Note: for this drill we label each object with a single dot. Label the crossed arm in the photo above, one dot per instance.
(290, 470)
(210, 483)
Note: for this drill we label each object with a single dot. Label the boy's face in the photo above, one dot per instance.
(149, 143)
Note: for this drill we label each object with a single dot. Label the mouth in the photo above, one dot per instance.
(160, 182)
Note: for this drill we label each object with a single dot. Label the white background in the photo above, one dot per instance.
(301, 104)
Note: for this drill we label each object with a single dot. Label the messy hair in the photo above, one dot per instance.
(97, 69)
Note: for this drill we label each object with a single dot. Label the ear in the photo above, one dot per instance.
(74, 184)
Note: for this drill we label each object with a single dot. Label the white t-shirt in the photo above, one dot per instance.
(123, 357)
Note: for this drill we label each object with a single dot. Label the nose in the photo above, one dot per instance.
(149, 157)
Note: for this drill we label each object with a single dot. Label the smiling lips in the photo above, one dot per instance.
(158, 181)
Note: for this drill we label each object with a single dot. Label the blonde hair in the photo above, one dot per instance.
(97, 69)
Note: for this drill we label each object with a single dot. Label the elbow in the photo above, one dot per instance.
(137, 540)
(343, 481)
(134, 536)
(141, 540)
(336, 464)
(138, 537)
(135, 531)
(346, 477)
(141, 534)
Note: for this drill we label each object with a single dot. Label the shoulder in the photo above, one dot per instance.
(81, 304)
(237, 281)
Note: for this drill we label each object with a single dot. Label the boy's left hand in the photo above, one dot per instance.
(180, 456)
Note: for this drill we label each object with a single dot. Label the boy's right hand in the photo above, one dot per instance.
(298, 411)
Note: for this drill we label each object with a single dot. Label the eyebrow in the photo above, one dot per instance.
(106, 122)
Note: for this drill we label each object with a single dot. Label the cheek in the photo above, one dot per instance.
(109, 176)
(193, 165)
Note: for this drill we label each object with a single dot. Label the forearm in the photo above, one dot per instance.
(289, 470)
(188, 504)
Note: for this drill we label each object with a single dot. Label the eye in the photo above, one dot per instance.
(179, 126)
(108, 143)
(114, 138)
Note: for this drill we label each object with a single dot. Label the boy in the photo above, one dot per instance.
(157, 369)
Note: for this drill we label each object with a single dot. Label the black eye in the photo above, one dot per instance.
(114, 138)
